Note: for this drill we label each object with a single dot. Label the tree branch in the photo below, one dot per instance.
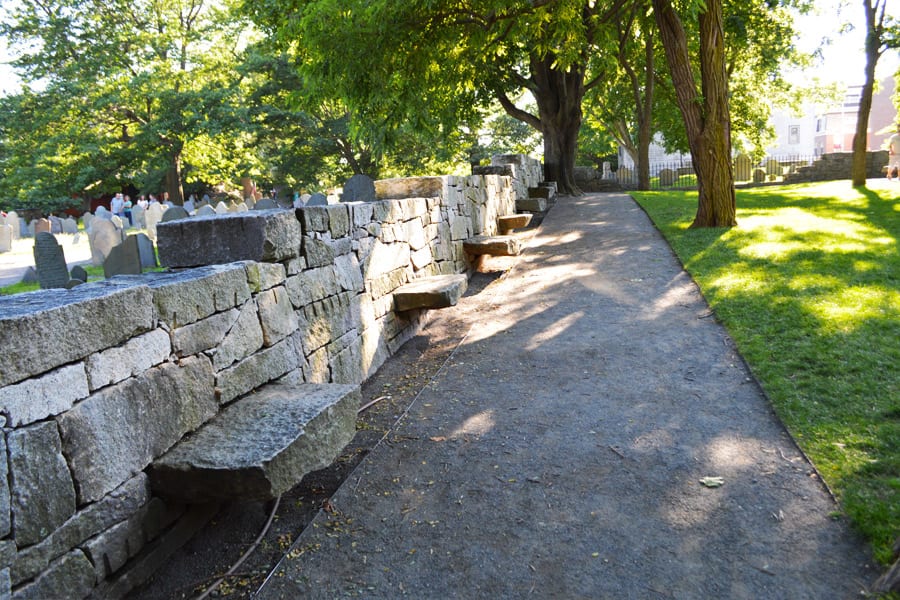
(517, 113)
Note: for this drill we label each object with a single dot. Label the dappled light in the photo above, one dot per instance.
(476, 425)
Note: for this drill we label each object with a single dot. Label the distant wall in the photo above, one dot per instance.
(98, 381)
(830, 167)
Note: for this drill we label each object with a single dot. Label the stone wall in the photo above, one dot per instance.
(99, 381)
(830, 167)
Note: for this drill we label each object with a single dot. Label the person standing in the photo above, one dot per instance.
(117, 206)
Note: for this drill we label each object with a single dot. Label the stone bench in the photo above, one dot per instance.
(260, 446)
(439, 291)
(508, 223)
(493, 245)
(538, 197)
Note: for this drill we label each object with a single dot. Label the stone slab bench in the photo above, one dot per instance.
(493, 245)
(508, 223)
(261, 446)
(439, 291)
(531, 205)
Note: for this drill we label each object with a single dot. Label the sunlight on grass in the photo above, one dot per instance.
(808, 285)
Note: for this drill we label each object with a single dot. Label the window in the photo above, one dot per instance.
(794, 134)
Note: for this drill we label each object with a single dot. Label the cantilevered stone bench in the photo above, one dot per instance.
(260, 446)
(493, 245)
(508, 223)
(439, 291)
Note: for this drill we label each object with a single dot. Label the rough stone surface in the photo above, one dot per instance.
(72, 573)
(103, 237)
(123, 259)
(531, 204)
(264, 276)
(132, 358)
(359, 188)
(243, 338)
(409, 187)
(260, 235)
(256, 370)
(188, 296)
(50, 262)
(174, 213)
(507, 223)
(498, 245)
(41, 397)
(204, 334)
(317, 199)
(42, 493)
(134, 421)
(439, 291)
(43, 330)
(5, 507)
(262, 445)
(116, 506)
(146, 251)
(385, 258)
(276, 315)
(110, 550)
(312, 285)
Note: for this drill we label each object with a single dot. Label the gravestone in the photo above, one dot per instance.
(189, 206)
(23, 228)
(86, 219)
(124, 259)
(103, 213)
(667, 177)
(79, 273)
(205, 199)
(232, 207)
(14, 221)
(607, 170)
(174, 213)
(103, 238)
(249, 203)
(30, 276)
(49, 262)
(359, 188)
(117, 221)
(742, 167)
(55, 225)
(137, 216)
(73, 283)
(206, 211)
(6, 237)
(70, 225)
(317, 199)
(145, 249)
(241, 207)
(221, 208)
(41, 226)
(152, 216)
(265, 204)
(30, 229)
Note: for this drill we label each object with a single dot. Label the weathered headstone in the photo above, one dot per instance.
(137, 216)
(241, 207)
(249, 203)
(55, 225)
(103, 213)
(117, 221)
(232, 207)
(30, 276)
(23, 228)
(30, 228)
(73, 283)
(49, 262)
(205, 211)
(221, 208)
(6, 237)
(124, 259)
(152, 216)
(742, 167)
(86, 218)
(79, 273)
(14, 221)
(103, 238)
(146, 250)
(317, 199)
(189, 206)
(173, 213)
(265, 204)
(41, 226)
(70, 225)
(359, 188)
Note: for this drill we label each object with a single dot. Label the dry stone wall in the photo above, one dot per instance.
(99, 381)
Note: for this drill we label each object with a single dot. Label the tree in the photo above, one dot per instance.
(434, 64)
(882, 33)
(705, 110)
(145, 79)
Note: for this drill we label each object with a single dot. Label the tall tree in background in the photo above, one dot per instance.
(143, 80)
(704, 109)
(882, 33)
(434, 63)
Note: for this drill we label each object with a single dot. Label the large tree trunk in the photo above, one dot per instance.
(558, 95)
(173, 178)
(706, 118)
(861, 137)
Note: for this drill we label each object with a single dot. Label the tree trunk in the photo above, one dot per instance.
(173, 179)
(645, 112)
(706, 116)
(861, 137)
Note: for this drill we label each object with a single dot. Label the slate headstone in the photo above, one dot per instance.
(103, 238)
(152, 216)
(41, 226)
(146, 251)
(30, 228)
(13, 219)
(124, 259)
(70, 225)
(189, 206)
(317, 199)
(23, 228)
(265, 204)
(6, 237)
(174, 213)
(221, 208)
(30, 276)
(359, 188)
(206, 211)
(86, 219)
(137, 216)
(79, 273)
(49, 262)
(55, 225)
(73, 283)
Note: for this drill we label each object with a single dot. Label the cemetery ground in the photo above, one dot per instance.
(808, 285)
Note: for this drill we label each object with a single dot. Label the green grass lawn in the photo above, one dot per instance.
(808, 285)
(94, 274)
